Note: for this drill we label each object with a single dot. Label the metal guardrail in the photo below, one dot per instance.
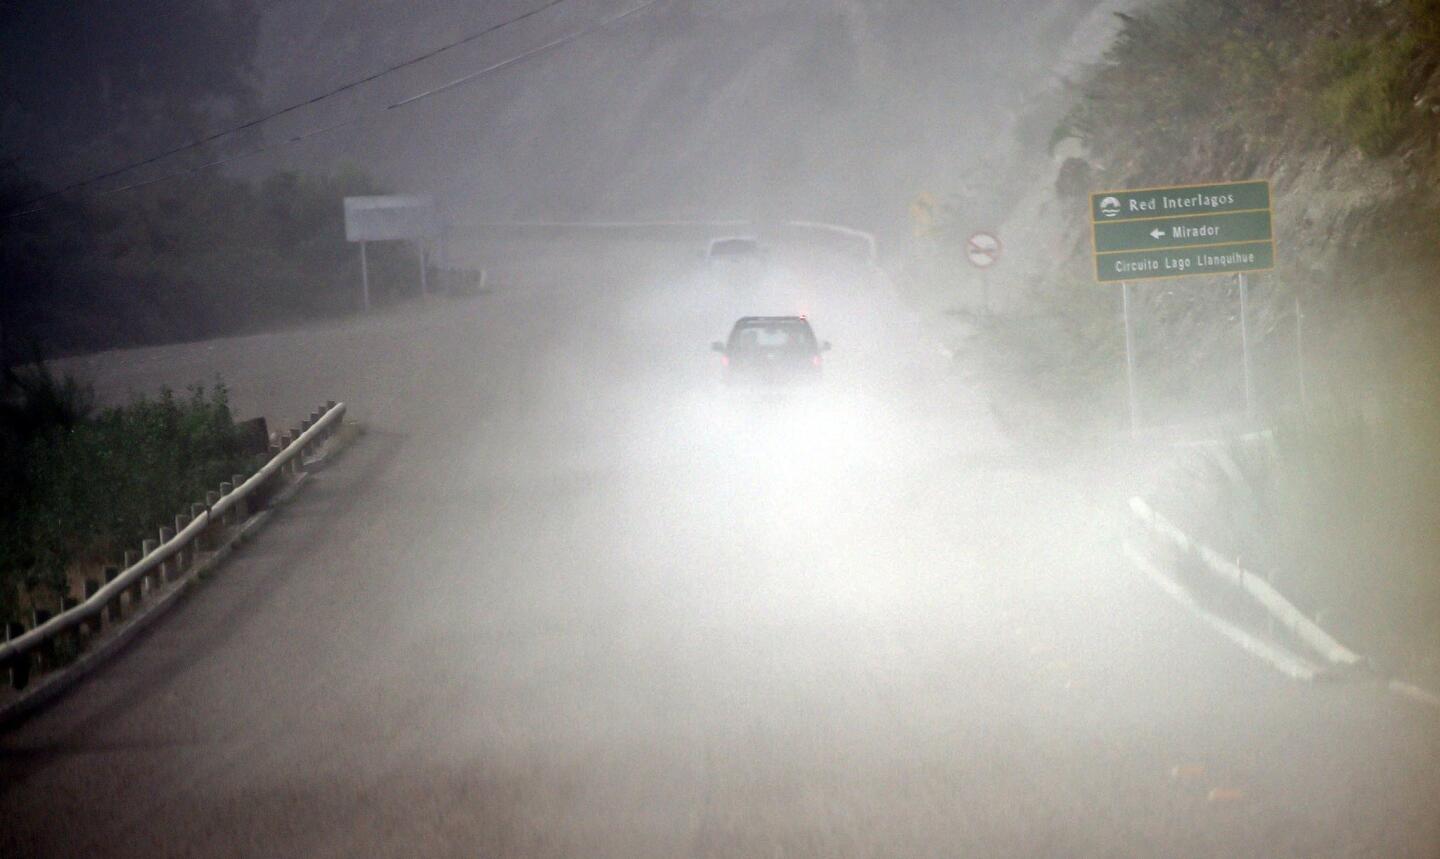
(872, 244)
(1269, 599)
(288, 456)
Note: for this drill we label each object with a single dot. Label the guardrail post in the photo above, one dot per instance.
(242, 505)
(216, 527)
(136, 595)
(68, 602)
(113, 609)
(228, 517)
(202, 540)
(274, 452)
(154, 577)
(313, 446)
(46, 650)
(183, 557)
(19, 667)
(97, 622)
(293, 466)
(166, 570)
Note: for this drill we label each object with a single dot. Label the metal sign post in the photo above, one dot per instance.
(1130, 360)
(390, 218)
(922, 214)
(983, 250)
(1183, 231)
(1300, 352)
(1245, 342)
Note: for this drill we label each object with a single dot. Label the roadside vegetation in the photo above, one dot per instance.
(81, 484)
(1338, 102)
(1203, 83)
(1353, 510)
(189, 257)
(1340, 513)
(187, 260)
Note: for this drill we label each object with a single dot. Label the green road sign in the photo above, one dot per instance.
(1183, 262)
(1179, 200)
(1185, 230)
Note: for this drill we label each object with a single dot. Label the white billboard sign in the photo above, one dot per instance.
(397, 216)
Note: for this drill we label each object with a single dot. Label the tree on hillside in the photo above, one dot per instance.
(88, 84)
(194, 258)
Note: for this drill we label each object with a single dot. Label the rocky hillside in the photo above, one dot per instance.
(1334, 102)
(1337, 103)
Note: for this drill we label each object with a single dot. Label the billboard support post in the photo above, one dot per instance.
(395, 217)
(364, 279)
(1130, 360)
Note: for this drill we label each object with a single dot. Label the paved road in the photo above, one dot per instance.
(568, 599)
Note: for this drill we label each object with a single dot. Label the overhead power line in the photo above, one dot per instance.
(458, 82)
(461, 81)
(291, 108)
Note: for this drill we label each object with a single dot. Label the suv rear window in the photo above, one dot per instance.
(786, 335)
(734, 248)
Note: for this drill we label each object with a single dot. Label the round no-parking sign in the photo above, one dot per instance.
(982, 249)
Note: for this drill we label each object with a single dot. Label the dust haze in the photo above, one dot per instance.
(572, 595)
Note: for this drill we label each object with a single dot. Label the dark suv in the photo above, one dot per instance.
(772, 350)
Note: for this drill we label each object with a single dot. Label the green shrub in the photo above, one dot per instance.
(1362, 99)
(192, 259)
(1182, 71)
(1424, 20)
(86, 491)
(1204, 80)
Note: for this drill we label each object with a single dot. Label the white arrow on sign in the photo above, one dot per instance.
(982, 249)
(1157, 233)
